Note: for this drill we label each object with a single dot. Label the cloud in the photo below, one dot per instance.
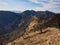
(34, 1)
(3, 3)
(6, 6)
(39, 1)
(47, 4)
(9, 8)
(21, 5)
(11, 5)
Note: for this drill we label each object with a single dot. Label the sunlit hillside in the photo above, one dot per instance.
(51, 36)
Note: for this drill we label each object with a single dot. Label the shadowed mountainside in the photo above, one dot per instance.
(8, 21)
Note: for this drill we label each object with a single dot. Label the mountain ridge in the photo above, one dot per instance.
(27, 23)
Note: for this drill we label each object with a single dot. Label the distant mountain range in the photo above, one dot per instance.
(14, 25)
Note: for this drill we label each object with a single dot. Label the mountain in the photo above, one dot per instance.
(8, 21)
(41, 13)
(30, 28)
(29, 12)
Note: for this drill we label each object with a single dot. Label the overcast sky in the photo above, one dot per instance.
(38, 5)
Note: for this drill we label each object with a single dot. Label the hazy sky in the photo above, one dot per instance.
(38, 5)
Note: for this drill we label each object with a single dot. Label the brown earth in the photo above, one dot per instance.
(50, 36)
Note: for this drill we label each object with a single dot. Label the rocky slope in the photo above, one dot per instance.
(33, 36)
(34, 28)
(51, 36)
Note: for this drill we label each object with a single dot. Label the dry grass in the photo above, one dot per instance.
(51, 36)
